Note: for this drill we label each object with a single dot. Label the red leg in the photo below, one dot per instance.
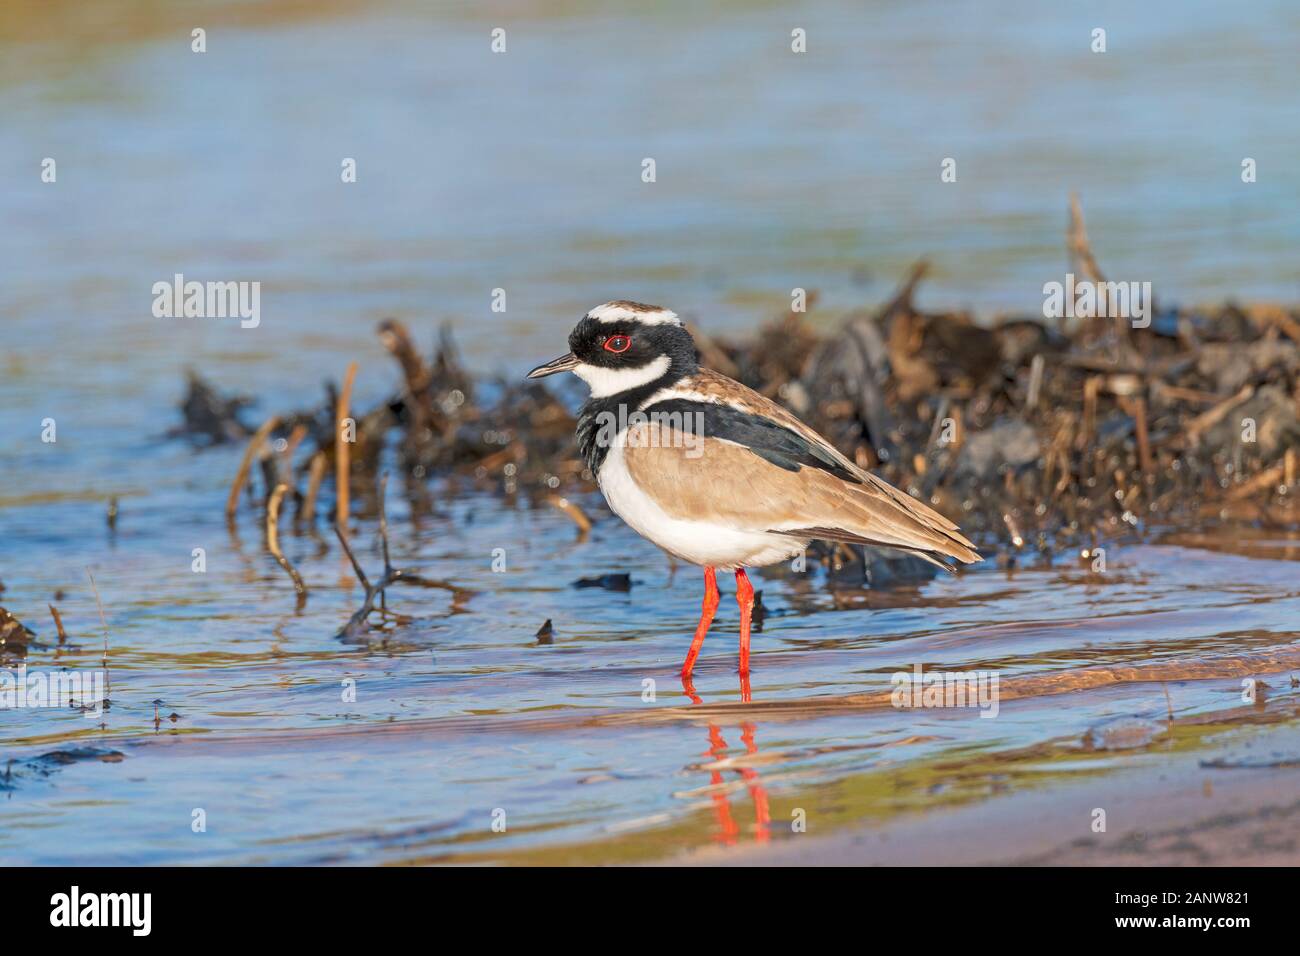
(706, 618)
(745, 598)
(728, 831)
(762, 814)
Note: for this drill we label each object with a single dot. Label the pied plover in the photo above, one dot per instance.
(715, 473)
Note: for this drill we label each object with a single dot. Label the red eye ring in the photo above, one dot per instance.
(617, 343)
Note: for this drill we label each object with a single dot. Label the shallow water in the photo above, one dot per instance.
(771, 174)
(461, 713)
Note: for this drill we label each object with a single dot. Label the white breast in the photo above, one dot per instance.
(699, 542)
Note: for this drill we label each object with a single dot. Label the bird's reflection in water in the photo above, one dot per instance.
(728, 830)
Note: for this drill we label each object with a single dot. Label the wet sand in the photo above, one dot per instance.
(1178, 813)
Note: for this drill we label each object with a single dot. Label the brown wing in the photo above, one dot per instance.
(720, 481)
(719, 387)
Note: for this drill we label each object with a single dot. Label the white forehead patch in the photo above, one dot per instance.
(610, 381)
(614, 312)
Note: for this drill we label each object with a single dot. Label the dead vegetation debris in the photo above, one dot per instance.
(606, 582)
(14, 636)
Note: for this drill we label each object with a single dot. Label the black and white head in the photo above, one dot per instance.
(620, 346)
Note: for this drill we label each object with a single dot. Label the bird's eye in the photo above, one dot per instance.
(618, 343)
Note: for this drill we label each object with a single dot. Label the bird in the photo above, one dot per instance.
(718, 475)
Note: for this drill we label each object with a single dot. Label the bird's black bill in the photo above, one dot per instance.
(564, 363)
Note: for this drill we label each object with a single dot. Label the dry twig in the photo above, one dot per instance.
(575, 513)
(58, 623)
(342, 451)
(314, 478)
(241, 476)
(356, 623)
(273, 541)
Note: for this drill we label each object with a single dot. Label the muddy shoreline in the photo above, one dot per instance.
(1173, 813)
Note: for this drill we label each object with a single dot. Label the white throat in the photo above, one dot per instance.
(610, 381)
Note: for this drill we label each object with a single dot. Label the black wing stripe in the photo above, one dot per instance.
(767, 439)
